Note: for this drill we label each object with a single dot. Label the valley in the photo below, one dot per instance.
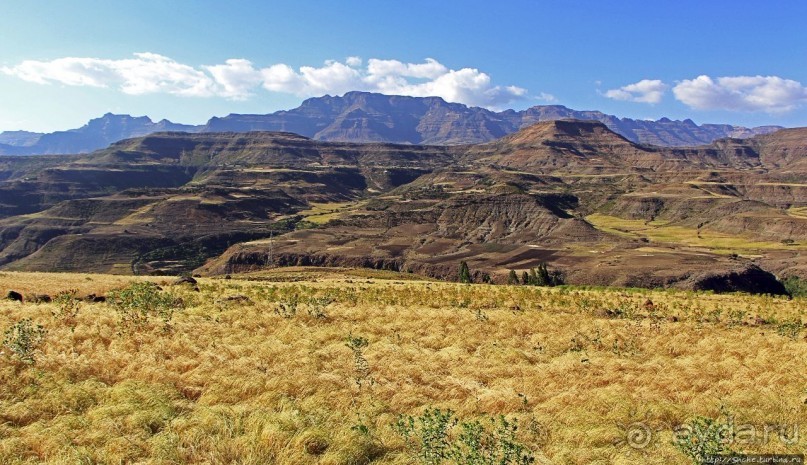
(573, 194)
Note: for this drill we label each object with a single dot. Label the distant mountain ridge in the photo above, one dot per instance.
(370, 117)
(97, 133)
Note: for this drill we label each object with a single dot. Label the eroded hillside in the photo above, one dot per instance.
(592, 204)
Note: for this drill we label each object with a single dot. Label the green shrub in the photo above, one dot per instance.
(23, 339)
(790, 329)
(287, 307)
(795, 286)
(704, 437)
(477, 445)
(67, 307)
(357, 344)
(430, 436)
(139, 303)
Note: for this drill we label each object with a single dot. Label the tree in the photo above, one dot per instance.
(465, 273)
(525, 278)
(512, 278)
(543, 278)
(534, 280)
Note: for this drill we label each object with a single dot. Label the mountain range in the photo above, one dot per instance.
(370, 117)
(600, 209)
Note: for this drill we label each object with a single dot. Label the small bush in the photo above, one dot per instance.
(67, 307)
(704, 437)
(431, 438)
(140, 302)
(357, 344)
(23, 339)
(477, 445)
(428, 434)
(795, 286)
(790, 329)
(287, 307)
(317, 305)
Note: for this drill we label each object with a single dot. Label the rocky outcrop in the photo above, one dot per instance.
(750, 279)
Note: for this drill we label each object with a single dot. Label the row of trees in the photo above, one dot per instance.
(540, 276)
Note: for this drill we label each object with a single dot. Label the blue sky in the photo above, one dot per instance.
(62, 63)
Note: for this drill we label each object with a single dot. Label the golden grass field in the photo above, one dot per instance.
(241, 375)
(661, 231)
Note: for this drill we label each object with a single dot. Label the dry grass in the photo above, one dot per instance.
(321, 213)
(235, 381)
(660, 231)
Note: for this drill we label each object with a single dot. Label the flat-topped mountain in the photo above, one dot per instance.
(369, 117)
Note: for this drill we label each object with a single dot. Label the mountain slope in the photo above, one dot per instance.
(591, 203)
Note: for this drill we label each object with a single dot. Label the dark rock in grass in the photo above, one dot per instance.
(95, 298)
(237, 298)
(41, 298)
(185, 280)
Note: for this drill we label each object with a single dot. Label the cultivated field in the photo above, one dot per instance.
(317, 367)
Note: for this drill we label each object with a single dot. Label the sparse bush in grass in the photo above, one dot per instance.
(512, 278)
(317, 305)
(736, 317)
(22, 340)
(427, 436)
(795, 286)
(287, 307)
(477, 445)
(704, 437)
(790, 329)
(140, 302)
(67, 307)
(431, 439)
(357, 344)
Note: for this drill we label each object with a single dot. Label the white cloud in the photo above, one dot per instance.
(770, 94)
(644, 91)
(546, 97)
(431, 69)
(353, 61)
(144, 74)
(238, 79)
